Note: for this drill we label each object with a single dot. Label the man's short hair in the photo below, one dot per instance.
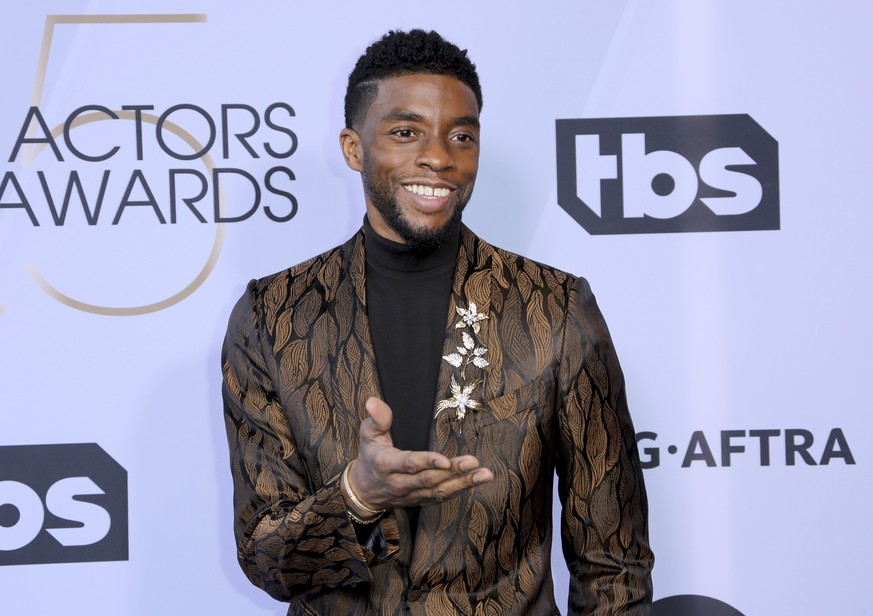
(405, 53)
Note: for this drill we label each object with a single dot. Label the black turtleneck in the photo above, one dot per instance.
(407, 306)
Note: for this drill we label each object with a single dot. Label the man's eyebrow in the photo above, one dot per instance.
(403, 116)
(411, 116)
(467, 121)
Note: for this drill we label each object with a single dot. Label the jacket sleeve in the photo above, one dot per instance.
(604, 528)
(292, 540)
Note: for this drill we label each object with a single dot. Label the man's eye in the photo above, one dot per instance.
(404, 133)
(464, 138)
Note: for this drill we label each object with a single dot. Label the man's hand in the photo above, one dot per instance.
(384, 477)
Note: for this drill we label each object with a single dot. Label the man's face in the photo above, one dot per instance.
(418, 153)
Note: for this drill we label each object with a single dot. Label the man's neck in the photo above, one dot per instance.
(390, 255)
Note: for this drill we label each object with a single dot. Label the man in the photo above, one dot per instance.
(397, 406)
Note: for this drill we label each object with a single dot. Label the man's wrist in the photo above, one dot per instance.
(358, 511)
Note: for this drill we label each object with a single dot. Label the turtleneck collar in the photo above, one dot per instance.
(389, 255)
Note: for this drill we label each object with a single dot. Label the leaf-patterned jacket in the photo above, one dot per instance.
(298, 365)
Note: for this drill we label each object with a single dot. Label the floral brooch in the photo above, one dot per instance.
(466, 355)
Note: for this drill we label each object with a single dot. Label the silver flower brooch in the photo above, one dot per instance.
(468, 354)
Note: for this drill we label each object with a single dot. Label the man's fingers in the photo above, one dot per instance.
(391, 461)
(376, 428)
(387, 477)
(397, 478)
(380, 413)
(464, 463)
(483, 475)
(438, 484)
(450, 486)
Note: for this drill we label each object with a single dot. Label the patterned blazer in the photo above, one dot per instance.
(298, 365)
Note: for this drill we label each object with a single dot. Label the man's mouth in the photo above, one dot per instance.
(427, 191)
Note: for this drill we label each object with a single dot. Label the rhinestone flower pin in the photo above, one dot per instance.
(469, 353)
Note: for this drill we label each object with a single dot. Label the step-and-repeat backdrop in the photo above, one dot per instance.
(705, 164)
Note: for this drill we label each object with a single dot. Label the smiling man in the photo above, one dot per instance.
(397, 407)
(414, 191)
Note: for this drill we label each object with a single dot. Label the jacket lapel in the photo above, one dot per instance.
(440, 523)
(355, 377)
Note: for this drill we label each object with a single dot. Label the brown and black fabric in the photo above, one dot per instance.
(298, 366)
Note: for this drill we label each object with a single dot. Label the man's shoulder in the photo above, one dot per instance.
(326, 267)
(511, 266)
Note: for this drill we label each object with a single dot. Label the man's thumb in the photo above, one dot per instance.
(381, 415)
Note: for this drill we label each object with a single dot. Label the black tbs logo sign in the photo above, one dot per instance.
(61, 504)
(668, 174)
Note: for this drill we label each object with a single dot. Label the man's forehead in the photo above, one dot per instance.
(414, 93)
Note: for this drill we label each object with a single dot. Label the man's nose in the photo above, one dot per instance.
(435, 154)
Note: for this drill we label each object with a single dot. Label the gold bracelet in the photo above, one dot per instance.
(366, 522)
(354, 497)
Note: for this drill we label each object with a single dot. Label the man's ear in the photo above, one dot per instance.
(350, 144)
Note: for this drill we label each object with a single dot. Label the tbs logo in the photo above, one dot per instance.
(668, 175)
(61, 504)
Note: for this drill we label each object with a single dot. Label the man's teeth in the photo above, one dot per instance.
(427, 191)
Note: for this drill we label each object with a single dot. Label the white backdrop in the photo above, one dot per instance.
(110, 333)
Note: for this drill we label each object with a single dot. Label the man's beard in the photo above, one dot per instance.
(421, 240)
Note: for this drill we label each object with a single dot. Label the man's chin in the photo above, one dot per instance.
(424, 240)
